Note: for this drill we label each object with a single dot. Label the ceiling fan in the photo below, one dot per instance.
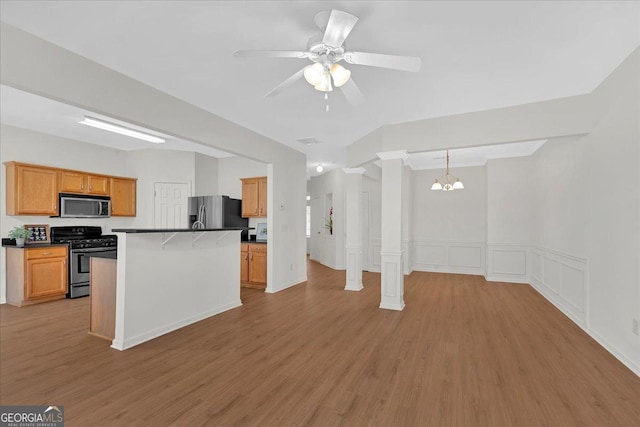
(326, 49)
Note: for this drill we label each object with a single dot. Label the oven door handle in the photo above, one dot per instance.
(87, 250)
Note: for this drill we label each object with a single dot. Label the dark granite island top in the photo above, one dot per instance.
(175, 230)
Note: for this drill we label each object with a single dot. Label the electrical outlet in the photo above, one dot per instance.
(636, 327)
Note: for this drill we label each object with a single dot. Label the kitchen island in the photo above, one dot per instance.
(170, 278)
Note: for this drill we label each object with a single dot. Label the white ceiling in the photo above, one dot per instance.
(28, 111)
(476, 56)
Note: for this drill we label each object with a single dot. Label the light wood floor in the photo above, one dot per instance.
(463, 352)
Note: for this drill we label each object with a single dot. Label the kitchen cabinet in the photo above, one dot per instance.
(123, 196)
(31, 190)
(244, 262)
(253, 265)
(36, 275)
(102, 298)
(254, 197)
(78, 182)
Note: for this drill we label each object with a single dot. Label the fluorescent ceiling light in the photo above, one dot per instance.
(111, 127)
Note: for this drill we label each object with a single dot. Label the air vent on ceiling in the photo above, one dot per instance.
(308, 141)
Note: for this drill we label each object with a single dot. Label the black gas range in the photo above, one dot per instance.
(83, 241)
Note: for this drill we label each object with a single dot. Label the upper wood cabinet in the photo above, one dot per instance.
(78, 182)
(123, 197)
(31, 190)
(254, 197)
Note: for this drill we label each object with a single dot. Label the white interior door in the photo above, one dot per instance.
(170, 205)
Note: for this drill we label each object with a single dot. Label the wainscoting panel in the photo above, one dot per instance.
(449, 257)
(508, 263)
(375, 261)
(562, 279)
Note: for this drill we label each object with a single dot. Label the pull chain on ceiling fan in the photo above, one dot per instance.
(326, 50)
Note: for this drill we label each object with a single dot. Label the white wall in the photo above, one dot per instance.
(449, 228)
(206, 175)
(372, 186)
(231, 169)
(509, 219)
(613, 169)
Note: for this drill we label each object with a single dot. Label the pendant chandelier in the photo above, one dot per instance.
(447, 182)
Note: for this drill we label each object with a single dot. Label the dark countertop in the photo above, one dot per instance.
(175, 230)
(106, 254)
(11, 243)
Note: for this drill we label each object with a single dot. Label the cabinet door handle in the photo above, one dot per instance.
(64, 262)
(90, 188)
(82, 186)
(260, 210)
(47, 253)
(256, 211)
(251, 257)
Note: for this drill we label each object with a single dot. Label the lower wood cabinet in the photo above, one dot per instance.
(253, 265)
(36, 275)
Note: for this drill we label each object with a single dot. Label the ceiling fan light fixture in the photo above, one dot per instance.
(325, 84)
(313, 74)
(340, 75)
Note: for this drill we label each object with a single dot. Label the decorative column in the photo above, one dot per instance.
(353, 244)
(392, 283)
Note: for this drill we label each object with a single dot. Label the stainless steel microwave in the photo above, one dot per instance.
(84, 206)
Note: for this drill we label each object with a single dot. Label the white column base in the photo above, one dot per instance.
(354, 269)
(392, 286)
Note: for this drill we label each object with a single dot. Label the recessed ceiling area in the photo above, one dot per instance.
(476, 55)
(28, 111)
(472, 156)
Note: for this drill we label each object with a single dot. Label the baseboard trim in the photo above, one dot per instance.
(396, 307)
(287, 286)
(155, 333)
(507, 279)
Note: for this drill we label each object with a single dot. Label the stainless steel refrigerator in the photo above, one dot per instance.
(217, 212)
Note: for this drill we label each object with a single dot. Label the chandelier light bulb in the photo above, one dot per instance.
(447, 179)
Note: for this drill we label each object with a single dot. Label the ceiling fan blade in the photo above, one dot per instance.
(352, 92)
(338, 28)
(394, 62)
(270, 54)
(285, 84)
